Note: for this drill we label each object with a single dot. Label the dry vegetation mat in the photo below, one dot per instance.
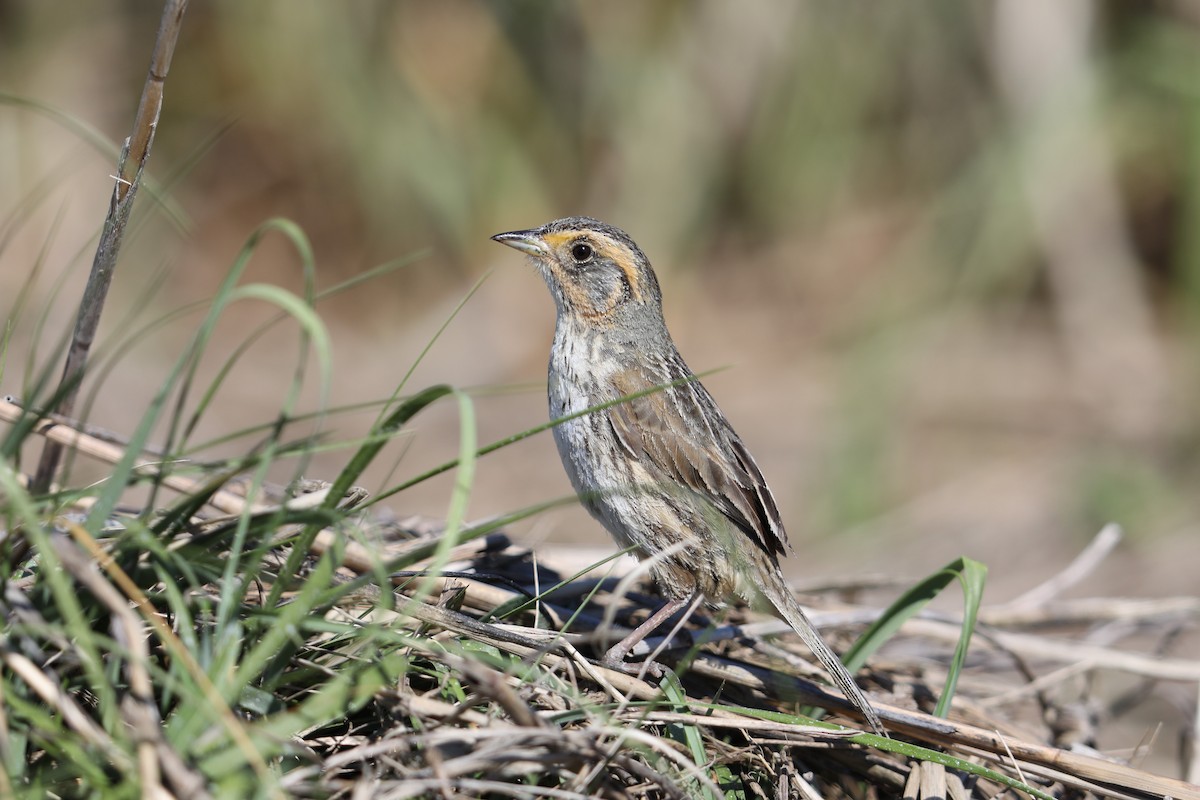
(244, 640)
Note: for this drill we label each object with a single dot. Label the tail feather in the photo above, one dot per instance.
(781, 598)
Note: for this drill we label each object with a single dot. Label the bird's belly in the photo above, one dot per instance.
(689, 548)
(686, 552)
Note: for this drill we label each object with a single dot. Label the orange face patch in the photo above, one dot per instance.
(558, 239)
(623, 258)
(605, 247)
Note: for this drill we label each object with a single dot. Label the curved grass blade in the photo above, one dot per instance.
(300, 243)
(314, 331)
(972, 575)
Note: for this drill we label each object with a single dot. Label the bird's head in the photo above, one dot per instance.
(596, 273)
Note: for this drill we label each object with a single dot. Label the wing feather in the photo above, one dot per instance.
(709, 459)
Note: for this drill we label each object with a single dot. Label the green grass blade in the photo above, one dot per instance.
(459, 498)
(971, 575)
(883, 743)
(69, 605)
(301, 312)
(365, 455)
(691, 736)
(283, 630)
(438, 333)
(536, 429)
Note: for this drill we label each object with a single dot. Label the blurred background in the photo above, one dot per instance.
(949, 257)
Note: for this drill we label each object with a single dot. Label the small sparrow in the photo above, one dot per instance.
(665, 472)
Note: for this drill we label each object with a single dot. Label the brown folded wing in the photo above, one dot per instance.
(667, 433)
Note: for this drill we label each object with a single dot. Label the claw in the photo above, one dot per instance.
(638, 669)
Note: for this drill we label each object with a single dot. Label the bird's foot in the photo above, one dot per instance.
(614, 659)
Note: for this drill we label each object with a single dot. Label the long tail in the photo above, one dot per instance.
(781, 598)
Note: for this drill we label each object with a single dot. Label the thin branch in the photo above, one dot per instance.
(130, 166)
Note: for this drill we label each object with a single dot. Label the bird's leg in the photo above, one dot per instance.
(649, 665)
(615, 657)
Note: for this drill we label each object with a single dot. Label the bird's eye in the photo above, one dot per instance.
(582, 252)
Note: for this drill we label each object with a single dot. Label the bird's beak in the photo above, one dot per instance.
(525, 241)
